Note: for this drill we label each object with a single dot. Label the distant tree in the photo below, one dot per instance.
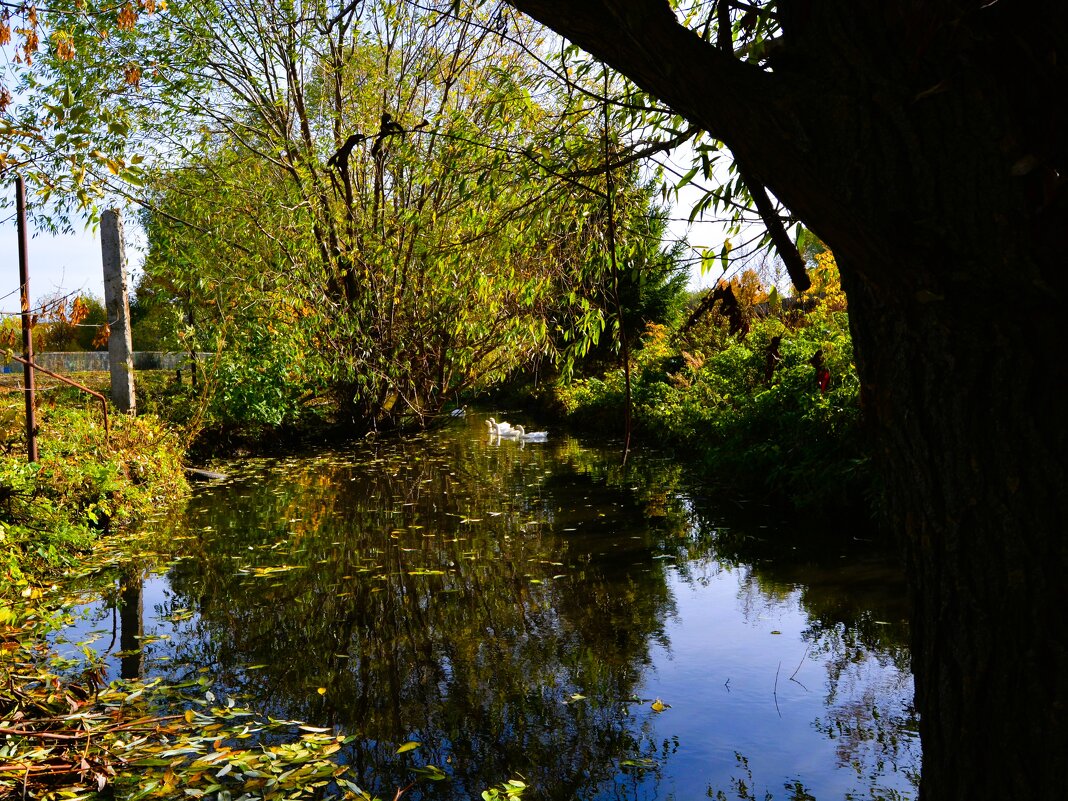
(65, 323)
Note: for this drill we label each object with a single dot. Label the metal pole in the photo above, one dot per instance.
(27, 330)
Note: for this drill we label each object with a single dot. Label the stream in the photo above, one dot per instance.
(534, 610)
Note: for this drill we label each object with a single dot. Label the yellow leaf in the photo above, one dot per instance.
(660, 706)
(411, 745)
(321, 691)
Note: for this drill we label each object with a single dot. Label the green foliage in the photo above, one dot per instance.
(783, 437)
(155, 323)
(258, 382)
(652, 279)
(66, 119)
(395, 273)
(81, 486)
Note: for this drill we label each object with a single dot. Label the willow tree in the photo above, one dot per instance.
(365, 166)
(926, 145)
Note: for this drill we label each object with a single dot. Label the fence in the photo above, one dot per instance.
(97, 361)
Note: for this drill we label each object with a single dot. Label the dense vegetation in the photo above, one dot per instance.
(748, 405)
(84, 484)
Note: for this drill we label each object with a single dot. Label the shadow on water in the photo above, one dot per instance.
(535, 610)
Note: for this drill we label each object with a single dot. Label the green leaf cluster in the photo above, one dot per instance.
(708, 392)
(82, 486)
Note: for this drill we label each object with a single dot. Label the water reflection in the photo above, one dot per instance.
(516, 610)
(131, 626)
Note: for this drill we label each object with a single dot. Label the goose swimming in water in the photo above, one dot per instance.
(501, 429)
(532, 436)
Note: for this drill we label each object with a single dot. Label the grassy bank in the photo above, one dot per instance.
(85, 483)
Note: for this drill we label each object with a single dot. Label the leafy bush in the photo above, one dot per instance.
(709, 395)
(81, 486)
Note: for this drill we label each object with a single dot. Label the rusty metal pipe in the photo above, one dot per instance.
(73, 383)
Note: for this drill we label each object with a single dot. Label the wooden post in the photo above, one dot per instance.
(117, 301)
(27, 329)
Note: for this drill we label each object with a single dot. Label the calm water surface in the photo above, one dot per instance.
(527, 610)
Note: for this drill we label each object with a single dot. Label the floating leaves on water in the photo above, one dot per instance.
(511, 789)
(575, 697)
(432, 772)
(776, 632)
(321, 691)
(411, 745)
(660, 706)
(641, 763)
(426, 572)
(270, 570)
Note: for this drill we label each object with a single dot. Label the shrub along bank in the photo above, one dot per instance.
(767, 403)
(83, 485)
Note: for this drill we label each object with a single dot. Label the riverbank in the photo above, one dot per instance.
(69, 526)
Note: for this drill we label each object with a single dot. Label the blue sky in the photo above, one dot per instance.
(65, 264)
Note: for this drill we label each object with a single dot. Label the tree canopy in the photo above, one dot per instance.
(391, 203)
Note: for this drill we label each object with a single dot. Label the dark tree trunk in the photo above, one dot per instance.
(926, 144)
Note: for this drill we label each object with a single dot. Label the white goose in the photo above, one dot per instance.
(532, 436)
(501, 429)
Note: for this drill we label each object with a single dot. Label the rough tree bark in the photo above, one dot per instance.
(926, 143)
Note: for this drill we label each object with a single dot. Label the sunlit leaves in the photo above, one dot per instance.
(63, 43)
(418, 261)
(511, 789)
(127, 17)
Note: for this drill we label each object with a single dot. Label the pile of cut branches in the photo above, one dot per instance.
(65, 735)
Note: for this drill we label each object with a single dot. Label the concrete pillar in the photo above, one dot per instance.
(117, 301)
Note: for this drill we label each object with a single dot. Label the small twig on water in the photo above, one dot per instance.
(775, 689)
(799, 664)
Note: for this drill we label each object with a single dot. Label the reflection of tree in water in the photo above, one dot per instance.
(442, 592)
(870, 714)
(857, 622)
(459, 595)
